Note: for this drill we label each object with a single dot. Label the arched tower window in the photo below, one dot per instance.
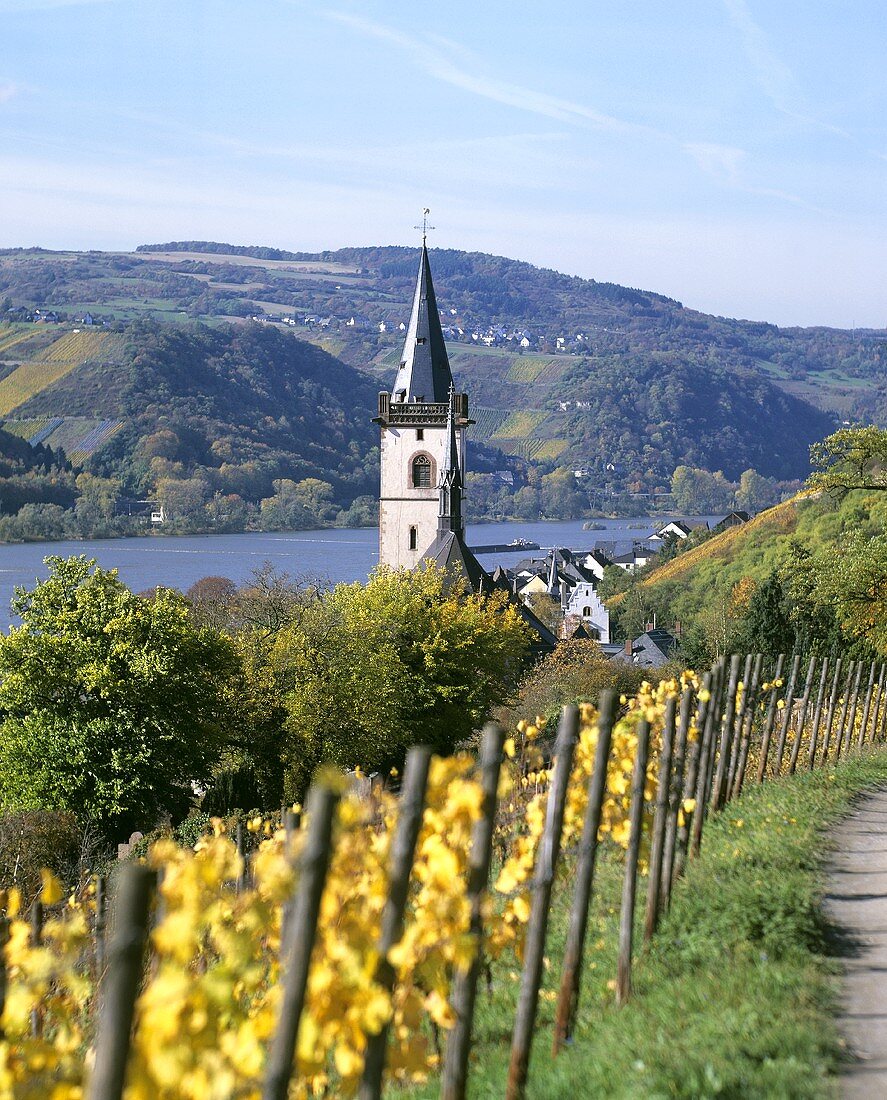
(421, 472)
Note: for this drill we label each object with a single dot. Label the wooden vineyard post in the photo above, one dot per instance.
(704, 787)
(854, 707)
(879, 700)
(660, 814)
(845, 708)
(403, 852)
(770, 719)
(820, 702)
(717, 717)
(743, 703)
(301, 934)
(695, 765)
(802, 715)
(120, 985)
(571, 977)
(36, 939)
(464, 991)
(240, 881)
(785, 722)
(834, 699)
(675, 800)
(867, 708)
(4, 970)
(719, 791)
(878, 730)
(291, 822)
(537, 927)
(745, 727)
(630, 881)
(101, 906)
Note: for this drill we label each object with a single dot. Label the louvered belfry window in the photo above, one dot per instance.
(421, 472)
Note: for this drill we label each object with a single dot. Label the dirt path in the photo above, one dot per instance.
(857, 903)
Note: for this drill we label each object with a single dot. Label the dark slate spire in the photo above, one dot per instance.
(449, 516)
(424, 373)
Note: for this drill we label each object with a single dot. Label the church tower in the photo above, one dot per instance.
(422, 426)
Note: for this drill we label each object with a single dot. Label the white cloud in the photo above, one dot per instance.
(7, 91)
(774, 77)
(439, 63)
(725, 162)
(721, 161)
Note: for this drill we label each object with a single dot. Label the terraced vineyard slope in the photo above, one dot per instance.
(623, 383)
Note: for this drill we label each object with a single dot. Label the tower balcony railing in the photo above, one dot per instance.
(417, 413)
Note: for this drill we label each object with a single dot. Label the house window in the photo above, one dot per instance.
(414, 538)
(421, 472)
(420, 434)
(586, 612)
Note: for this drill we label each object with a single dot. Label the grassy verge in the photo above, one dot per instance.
(735, 998)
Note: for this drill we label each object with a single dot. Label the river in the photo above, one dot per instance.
(331, 555)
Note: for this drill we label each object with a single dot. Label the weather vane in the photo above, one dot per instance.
(424, 226)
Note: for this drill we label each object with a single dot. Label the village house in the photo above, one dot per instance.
(673, 529)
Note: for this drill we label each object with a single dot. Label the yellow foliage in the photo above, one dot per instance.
(208, 1006)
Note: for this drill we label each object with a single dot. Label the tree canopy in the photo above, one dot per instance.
(852, 458)
(366, 670)
(109, 702)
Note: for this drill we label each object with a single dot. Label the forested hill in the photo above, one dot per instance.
(223, 425)
(476, 290)
(564, 374)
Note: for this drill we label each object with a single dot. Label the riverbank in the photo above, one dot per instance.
(330, 554)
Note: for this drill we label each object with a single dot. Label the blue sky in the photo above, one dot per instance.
(729, 153)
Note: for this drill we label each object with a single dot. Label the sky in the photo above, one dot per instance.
(731, 154)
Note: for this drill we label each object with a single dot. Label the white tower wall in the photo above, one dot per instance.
(407, 515)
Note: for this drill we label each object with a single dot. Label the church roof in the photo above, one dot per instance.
(450, 551)
(424, 373)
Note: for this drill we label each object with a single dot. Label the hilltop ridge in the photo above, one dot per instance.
(600, 389)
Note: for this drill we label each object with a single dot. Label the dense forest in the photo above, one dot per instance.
(221, 426)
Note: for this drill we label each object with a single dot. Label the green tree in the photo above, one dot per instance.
(697, 491)
(852, 458)
(766, 626)
(852, 580)
(560, 497)
(95, 503)
(756, 491)
(182, 499)
(110, 705)
(297, 504)
(369, 669)
(813, 615)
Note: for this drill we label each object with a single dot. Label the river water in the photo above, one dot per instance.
(330, 555)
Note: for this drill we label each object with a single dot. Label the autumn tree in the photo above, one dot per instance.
(369, 669)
